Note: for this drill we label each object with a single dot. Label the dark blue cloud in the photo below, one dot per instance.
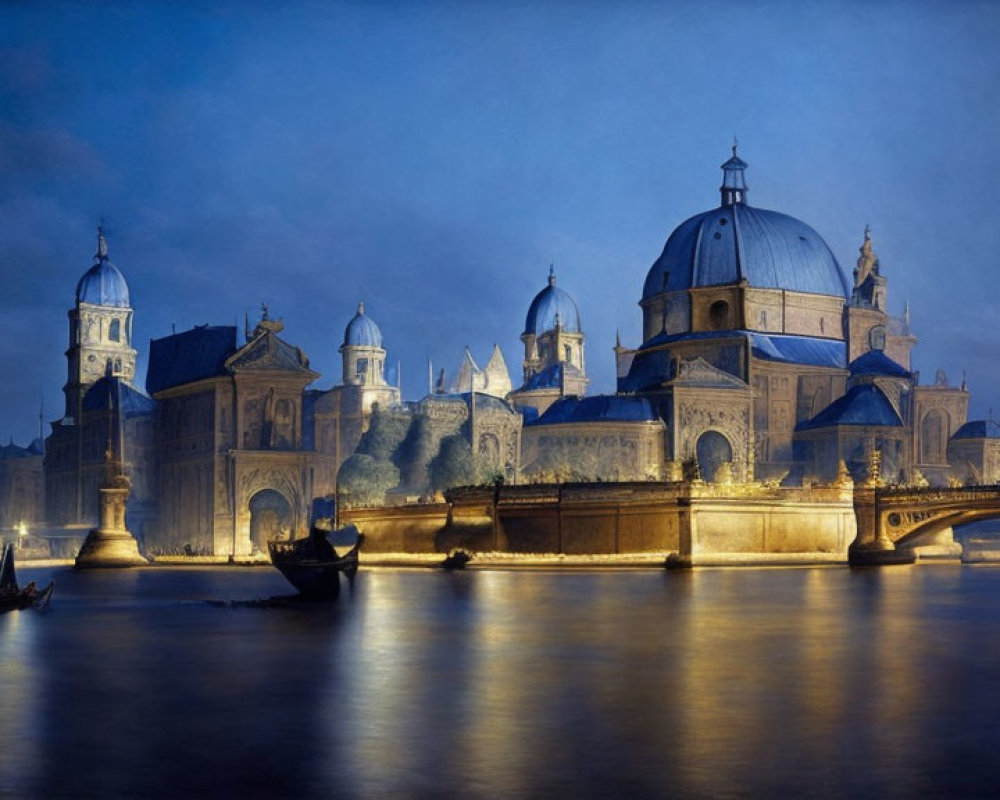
(433, 159)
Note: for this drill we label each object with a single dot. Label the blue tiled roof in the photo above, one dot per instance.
(652, 364)
(733, 243)
(547, 304)
(103, 396)
(978, 429)
(648, 370)
(862, 405)
(799, 349)
(362, 331)
(875, 362)
(552, 377)
(600, 408)
(103, 284)
(190, 356)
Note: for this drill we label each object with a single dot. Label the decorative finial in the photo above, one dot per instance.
(552, 274)
(263, 311)
(736, 143)
(102, 243)
(361, 307)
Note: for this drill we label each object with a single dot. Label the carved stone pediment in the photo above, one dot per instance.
(268, 353)
(698, 372)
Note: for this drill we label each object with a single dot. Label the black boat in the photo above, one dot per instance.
(313, 566)
(12, 597)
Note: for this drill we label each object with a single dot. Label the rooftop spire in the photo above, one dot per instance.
(361, 307)
(734, 186)
(102, 243)
(552, 274)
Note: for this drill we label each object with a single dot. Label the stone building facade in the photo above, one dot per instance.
(760, 360)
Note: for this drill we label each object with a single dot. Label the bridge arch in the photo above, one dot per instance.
(904, 515)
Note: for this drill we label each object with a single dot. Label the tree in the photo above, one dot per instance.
(386, 430)
(415, 452)
(454, 464)
(363, 480)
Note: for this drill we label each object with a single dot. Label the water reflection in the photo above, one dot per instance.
(506, 684)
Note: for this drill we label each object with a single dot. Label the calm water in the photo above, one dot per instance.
(711, 683)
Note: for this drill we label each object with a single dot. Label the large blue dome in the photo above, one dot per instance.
(362, 331)
(103, 284)
(548, 303)
(736, 242)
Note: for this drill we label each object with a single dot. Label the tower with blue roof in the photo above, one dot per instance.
(554, 358)
(100, 329)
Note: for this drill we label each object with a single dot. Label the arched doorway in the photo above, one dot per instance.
(713, 451)
(270, 518)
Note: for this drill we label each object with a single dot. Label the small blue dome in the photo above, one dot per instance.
(547, 304)
(736, 242)
(103, 284)
(362, 331)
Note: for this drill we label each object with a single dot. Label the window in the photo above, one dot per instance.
(361, 367)
(567, 353)
(718, 315)
(115, 330)
(876, 338)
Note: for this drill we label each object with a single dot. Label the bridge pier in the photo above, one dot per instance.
(872, 545)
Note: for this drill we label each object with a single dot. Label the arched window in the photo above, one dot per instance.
(115, 330)
(567, 354)
(713, 451)
(933, 437)
(718, 315)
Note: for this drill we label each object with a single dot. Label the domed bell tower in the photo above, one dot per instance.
(100, 330)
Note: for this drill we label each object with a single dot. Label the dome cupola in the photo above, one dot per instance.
(737, 243)
(550, 305)
(362, 331)
(103, 284)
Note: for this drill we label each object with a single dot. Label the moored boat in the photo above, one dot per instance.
(312, 565)
(12, 597)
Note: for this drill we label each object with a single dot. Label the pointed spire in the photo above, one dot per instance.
(552, 274)
(618, 338)
(734, 186)
(906, 317)
(361, 307)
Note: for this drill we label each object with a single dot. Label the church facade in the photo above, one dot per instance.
(760, 359)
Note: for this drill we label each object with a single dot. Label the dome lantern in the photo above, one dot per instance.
(734, 186)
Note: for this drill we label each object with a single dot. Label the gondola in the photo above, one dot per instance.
(14, 598)
(313, 566)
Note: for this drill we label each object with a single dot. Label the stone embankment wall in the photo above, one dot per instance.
(701, 523)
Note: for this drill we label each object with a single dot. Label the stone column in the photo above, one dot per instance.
(111, 544)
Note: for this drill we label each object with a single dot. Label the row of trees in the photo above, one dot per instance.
(399, 449)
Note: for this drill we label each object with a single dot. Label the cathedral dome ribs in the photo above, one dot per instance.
(552, 305)
(739, 244)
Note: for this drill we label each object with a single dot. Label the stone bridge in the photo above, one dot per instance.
(889, 516)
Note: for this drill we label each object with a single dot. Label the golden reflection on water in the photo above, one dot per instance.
(20, 713)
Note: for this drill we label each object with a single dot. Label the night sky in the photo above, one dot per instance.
(433, 159)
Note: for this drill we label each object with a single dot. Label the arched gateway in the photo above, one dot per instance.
(271, 517)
